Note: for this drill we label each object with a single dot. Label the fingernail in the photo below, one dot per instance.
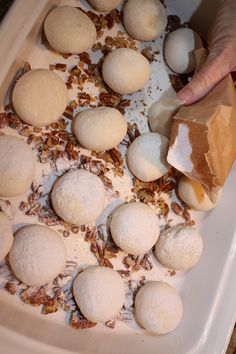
(184, 95)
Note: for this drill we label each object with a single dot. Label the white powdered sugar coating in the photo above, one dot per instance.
(145, 20)
(126, 71)
(100, 128)
(179, 247)
(179, 50)
(158, 307)
(78, 197)
(69, 30)
(194, 195)
(105, 5)
(40, 97)
(38, 255)
(146, 156)
(6, 236)
(160, 115)
(179, 154)
(99, 293)
(17, 166)
(135, 228)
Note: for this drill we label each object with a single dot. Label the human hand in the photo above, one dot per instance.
(221, 59)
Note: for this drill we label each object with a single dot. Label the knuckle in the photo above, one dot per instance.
(202, 80)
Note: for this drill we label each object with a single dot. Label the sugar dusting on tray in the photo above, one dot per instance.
(57, 151)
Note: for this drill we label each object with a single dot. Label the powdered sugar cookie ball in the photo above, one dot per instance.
(69, 30)
(126, 70)
(99, 292)
(135, 228)
(146, 156)
(179, 50)
(179, 247)
(37, 255)
(78, 197)
(100, 128)
(105, 5)
(144, 20)
(158, 307)
(6, 236)
(40, 97)
(194, 195)
(17, 166)
(160, 115)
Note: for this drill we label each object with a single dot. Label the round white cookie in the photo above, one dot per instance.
(158, 307)
(126, 71)
(100, 128)
(144, 20)
(69, 30)
(179, 50)
(37, 255)
(6, 236)
(160, 115)
(105, 5)
(194, 195)
(135, 228)
(17, 166)
(40, 97)
(179, 247)
(78, 197)
(99, 292)
(146, 156)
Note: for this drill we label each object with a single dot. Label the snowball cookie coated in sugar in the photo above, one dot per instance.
(6, 236)
(100, 293)
(179, 50)
(100, 128)
(194, 195)
(17, 166)
(146, 157)
(40, 97)
(135, 228)
(144, 20)
(158, 307)
(78, 197)
(105, 5)
(179, 247)
(69, 30)
(126, 70)
(37, 255)
(160, 115)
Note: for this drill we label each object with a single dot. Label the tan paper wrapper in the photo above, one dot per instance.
(203, 138)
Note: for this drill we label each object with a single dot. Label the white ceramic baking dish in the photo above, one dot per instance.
(208, 291)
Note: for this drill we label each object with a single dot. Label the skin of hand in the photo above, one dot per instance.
(221, 59)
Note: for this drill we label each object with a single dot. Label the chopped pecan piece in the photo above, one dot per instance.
(110, 324)
(177, 209)
(11, 288)
(133, 132)
(148, 55)
(109, 99)
(77, 321)
(68, 113)
(61, 67)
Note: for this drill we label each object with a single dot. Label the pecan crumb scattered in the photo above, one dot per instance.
(60, 67)
(110, 324)
(133, 132)
(77, 321)
(11, 288)
(148, 55)
(177, 209)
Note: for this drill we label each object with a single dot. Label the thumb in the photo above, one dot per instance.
(213, 71)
